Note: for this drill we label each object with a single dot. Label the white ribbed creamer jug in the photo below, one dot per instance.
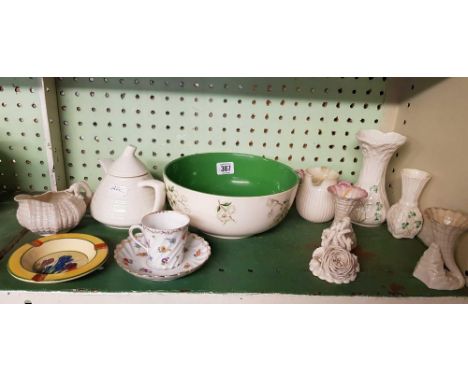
(313, 201)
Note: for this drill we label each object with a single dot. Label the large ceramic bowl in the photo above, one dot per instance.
(230, 195)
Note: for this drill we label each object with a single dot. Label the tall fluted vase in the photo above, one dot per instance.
(377, 149)
(437, 267)
(404, 218)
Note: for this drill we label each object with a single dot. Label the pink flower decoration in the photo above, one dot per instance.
(346, 190)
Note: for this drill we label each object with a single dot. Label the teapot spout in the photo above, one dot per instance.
(105, 164)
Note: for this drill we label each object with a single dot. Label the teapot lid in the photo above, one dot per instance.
(127, 165)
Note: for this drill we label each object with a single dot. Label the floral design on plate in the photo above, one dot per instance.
(196, 252)
(278, 210)
(224, 212)
(176, 201)
(51, 265)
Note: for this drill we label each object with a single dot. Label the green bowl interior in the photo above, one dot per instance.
(253, 175)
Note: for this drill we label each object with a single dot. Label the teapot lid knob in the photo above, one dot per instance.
(128, 165)
(129, 151)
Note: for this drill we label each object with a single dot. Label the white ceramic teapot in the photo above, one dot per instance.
(127, 192)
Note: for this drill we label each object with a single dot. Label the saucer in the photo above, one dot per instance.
(57, 258)
(132, 259)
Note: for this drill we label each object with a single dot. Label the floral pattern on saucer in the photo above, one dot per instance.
(133, 259)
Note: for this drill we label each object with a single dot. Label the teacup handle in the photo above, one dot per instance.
(130, 232)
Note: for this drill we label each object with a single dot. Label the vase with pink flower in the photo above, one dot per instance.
(347, 196)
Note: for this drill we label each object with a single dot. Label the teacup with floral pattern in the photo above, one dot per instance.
(165, 233)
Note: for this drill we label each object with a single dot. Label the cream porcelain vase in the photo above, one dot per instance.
(127, 192)
(404, 218)
(437, 267)
(313, 201)
(377, 149)
(346, 197)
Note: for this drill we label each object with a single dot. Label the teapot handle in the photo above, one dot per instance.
(75, 188)
(159, 192)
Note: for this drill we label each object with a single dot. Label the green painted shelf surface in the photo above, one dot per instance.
(276, 261)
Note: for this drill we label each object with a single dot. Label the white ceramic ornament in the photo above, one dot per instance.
(339, 234)
(313, 201)
(437, 267)
(334, 264)
(53, 212)
(377, 149)
(404, 219)
(333, 261)
(346, 197)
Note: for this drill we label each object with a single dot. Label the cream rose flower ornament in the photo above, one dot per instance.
(334, 264)
(338, 234)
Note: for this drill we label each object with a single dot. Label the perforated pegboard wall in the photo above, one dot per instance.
(23, 162)
(302, 122)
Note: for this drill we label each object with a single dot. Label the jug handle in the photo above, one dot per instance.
(75, 188)
(300, 173)
(159, 192)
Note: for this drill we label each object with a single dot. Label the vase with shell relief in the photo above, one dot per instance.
(437, 267)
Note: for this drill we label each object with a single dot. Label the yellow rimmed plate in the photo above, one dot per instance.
(57, 258)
